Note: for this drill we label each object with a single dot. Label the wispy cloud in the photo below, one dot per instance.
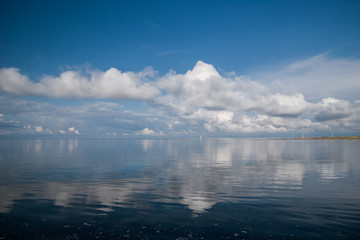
(318, 77)
(152, 25)
(173, 52)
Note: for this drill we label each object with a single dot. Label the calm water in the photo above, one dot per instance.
(174, 189)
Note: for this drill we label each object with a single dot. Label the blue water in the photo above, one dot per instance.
(175, 189)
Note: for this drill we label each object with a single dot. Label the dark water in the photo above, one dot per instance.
(174, 189)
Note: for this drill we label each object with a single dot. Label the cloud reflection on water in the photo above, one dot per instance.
(104, 174)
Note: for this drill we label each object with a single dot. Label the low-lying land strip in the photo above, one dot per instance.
(322, 138)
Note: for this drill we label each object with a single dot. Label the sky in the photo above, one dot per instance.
(179, 68)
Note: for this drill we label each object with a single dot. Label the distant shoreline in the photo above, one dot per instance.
(322, 138)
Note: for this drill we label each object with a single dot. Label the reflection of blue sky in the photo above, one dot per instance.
(195, 173)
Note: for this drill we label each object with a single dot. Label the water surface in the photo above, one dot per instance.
(174, 189)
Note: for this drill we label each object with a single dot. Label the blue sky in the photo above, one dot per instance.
(174, 68)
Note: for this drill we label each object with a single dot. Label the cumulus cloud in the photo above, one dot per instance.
(39, 129)
(146, 132)
(204, 87)
(228, 104)
(284, 105)
(199, 101)
(331, 109)
(238, 104)
(112, 84)
(73, 130)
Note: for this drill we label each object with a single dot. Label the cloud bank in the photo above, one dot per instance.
(112, 84)
(200, 101)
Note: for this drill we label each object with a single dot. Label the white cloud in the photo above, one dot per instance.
(38, 129)
(198, 101)
(331, 109)
(73, 130)
(284, 105)
(236, 104)
(203, 96)
(202, 71)
(204, 87)
(112, 84)
(115, 84)
(146, 131)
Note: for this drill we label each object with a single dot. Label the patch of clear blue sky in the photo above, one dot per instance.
(43, 37)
